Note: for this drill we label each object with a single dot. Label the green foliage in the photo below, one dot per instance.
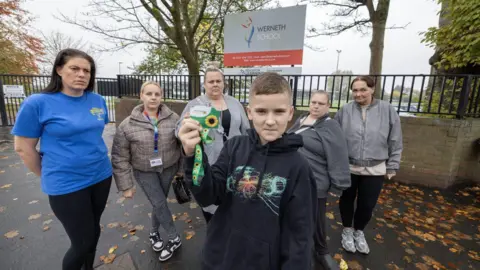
(458, 41)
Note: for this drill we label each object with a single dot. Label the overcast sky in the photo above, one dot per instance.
(404, 53)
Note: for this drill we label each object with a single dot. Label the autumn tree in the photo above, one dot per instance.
(359, 15)
(186, 26)
(457, 38)
(19, 49)
(56, 41)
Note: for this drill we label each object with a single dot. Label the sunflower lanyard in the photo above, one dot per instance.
(209, 118)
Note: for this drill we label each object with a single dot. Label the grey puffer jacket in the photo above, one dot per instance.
(325, 148)
(373, 141)
(133, 145)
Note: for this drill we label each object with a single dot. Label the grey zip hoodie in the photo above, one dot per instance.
(325, 148)
(375, 140)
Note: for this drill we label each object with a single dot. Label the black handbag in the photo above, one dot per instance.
(182, 193)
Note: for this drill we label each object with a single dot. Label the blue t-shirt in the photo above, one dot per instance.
(74, 155)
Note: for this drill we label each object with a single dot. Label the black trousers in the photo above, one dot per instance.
(80, 213)
(366, 189)
(320, 237)
(207, 215)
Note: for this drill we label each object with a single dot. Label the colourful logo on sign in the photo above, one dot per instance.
(250, 31)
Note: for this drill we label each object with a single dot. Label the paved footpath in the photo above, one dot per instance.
(412, 227)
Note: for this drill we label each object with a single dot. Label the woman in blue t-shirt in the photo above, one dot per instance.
(73, 161)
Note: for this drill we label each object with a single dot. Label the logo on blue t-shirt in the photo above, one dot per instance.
(99, 112)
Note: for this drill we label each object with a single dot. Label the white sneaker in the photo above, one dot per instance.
(347, 240)
(170, 248)
(360, 242)
(156, 241)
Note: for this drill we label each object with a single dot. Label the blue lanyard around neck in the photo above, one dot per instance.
(155, 131)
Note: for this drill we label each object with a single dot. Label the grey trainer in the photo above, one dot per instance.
(360, 242)
(347, 240)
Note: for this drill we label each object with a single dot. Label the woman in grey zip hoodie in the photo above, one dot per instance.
(325, 148)
(374, 139)
(233, 120)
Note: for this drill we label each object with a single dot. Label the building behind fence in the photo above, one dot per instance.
(412, 95)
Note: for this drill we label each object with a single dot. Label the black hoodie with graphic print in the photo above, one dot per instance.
(267, 209)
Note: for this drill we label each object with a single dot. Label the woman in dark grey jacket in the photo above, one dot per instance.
(374, 140)
(325, 148)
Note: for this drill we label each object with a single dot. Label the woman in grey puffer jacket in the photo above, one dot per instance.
(374, 140)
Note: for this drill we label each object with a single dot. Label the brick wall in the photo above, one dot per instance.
(437, 152)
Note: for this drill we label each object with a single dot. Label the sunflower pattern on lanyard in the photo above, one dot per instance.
(209, 118)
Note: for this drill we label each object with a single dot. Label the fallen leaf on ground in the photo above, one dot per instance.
(3, 157)
(46, 222)
(171, 200)
(474, 255)
(174, 217)
(132, 231)
(378, 236)
(193, 205)
(112, 225)
(354, 265)
(112, 249)
(125, 235)
(126, 214)
(392, 266)
(120, 200)
(188, 221)
(32, 202)
(11, 234)
(190, 234)
(429, 237)
(139, 227)
(330, 215)
(337, 256)
(454, 250)
(2, 171)
(2, 209)
(422, 266)
(46, 228)
(407, 259)
(343, 265)
(183, 217)
(6, 186)
(134, 238)
(109, 259)
(36, 216)
(142, 251)
(410, 251)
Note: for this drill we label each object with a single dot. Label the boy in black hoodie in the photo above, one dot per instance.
(266, 190)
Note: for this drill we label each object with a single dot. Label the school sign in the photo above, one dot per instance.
(264, 38)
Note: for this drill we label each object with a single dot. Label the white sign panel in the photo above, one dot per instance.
(259, 70)
(265, 38)
(13, 91)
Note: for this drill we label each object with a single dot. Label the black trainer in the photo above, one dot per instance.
(170, 248)
(156, 241)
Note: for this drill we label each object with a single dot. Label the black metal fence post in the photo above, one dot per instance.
(464, 94)
(3, 107)
(295, 91)
(119, 86)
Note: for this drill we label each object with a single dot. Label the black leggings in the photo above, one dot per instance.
(80, 212)
(320, 237)
(368, 189)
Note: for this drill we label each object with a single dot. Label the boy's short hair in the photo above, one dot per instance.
(270, 83)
